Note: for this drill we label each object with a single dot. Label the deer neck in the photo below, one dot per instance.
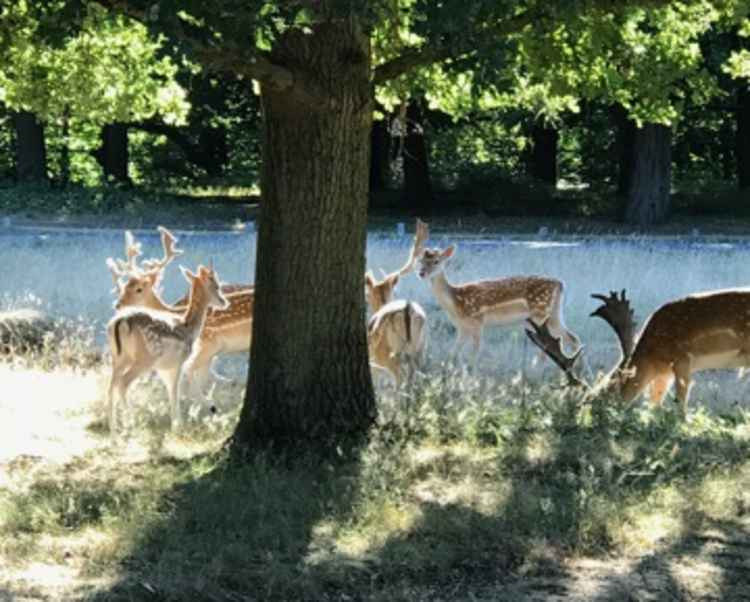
(443, 291)
(195, 314)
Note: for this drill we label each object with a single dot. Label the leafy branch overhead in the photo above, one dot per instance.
(406, 34)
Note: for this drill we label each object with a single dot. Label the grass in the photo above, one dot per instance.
(466, 485)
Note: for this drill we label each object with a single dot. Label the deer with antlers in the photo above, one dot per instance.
(141, 340)
(704, 331)
(397, 329)
(474, 305)
(227, 330)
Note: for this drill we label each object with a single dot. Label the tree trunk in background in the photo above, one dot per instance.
(31, 152)
(64, 179)
(742, 142)
(650, 185)
(624, 141)
(379, 155)
(112, 153)
(417, 192)
(543, 157)
(309, 383)
(213, 142)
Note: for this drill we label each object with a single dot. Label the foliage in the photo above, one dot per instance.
(108, 70)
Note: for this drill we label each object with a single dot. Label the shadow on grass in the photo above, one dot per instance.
(269, 532)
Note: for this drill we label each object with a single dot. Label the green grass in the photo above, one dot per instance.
(464, 483)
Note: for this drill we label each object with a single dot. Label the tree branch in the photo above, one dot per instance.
(246, 62)
(471, 41)
(428, 54)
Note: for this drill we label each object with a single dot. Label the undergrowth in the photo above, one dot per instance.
(464, 481)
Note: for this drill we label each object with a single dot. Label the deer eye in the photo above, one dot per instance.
(139, 290)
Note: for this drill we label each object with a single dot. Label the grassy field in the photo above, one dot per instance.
(469, 489)
(493, 486)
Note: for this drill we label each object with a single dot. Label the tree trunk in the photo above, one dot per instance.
(31, 152)
(112, 153)
(309, 384)
(544, 153)
(624, 140)
(742, 143)
(650, 185)
(213, 141)
(379, 155)
(64, 178)
(417, 191)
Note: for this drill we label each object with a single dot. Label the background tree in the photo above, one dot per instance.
(80, 70)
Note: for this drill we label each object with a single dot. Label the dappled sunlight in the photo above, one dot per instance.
(48, 414)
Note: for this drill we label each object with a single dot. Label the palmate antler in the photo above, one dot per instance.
(617, 312)
(552, 347)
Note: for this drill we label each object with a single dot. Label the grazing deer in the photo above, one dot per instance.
(474, 305)
(141, 340)
(226, 330)
(397, 329)
(704, 331)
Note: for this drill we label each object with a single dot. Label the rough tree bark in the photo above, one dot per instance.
(112, 153)
(31, 152)
(742, 143)
(417, 192)
(650, 184)
(309, 384)
(543, 159)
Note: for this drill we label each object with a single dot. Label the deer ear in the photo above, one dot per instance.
(394, 280)
(449, 251)
(369, 281)
(189, 276)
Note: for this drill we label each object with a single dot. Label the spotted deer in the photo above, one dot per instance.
(474, 305)
(396, 330)
(703, 331)
(227, 330)
(142, 340)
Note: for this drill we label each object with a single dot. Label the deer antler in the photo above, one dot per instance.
(132, 250)
(420, 238)
(552, 347)
(117, 273)
(168, 242)
(617, 312)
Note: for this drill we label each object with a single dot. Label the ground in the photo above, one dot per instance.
(51, 423)
(44, 433)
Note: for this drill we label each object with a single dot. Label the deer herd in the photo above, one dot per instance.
(705, 331)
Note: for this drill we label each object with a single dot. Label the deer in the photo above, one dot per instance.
(397, 329)
(226, 330)
(475, 305)
(142, 340)
(704, 331)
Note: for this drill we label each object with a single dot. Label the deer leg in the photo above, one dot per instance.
(198, 368)
(476, 344)
(682, 370)
(125, 377)
(171, 378)
(461, 338)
